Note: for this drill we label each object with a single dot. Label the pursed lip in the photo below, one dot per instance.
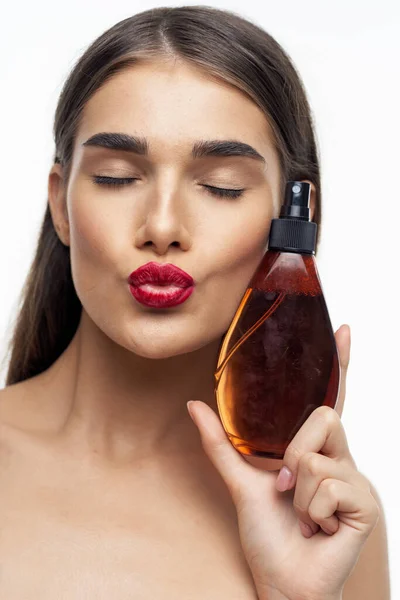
(160, 274)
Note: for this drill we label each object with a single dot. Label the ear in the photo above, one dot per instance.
(58, 204)
(313, 195)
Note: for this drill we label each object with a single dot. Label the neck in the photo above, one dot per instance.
(107, 400)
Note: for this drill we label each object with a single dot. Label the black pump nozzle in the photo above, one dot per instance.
(293, 231)
(297, 199)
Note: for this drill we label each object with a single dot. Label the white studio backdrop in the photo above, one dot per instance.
(348, 55)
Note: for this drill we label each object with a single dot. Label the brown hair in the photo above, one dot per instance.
(223, 44)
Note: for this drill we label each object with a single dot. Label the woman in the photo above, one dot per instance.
(175, 134)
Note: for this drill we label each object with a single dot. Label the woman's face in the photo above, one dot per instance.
(168, 214)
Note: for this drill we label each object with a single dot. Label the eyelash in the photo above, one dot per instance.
(116, 182)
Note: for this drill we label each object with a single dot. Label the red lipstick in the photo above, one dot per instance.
(160, 285)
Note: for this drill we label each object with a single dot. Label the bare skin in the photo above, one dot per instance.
(106, 489)
(74, 526)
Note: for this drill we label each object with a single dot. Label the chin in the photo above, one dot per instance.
(166, 347)
(163, 340)
(157, 352)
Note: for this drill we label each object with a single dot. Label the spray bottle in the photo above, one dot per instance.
(278, 361)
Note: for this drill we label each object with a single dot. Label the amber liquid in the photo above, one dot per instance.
(278, 361)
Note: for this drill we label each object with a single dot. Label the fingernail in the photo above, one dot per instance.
(284, 479)
(188, 404)
(306, 529)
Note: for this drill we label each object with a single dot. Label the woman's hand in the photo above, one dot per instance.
(327, 493)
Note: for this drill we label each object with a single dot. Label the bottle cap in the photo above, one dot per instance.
(293, 231)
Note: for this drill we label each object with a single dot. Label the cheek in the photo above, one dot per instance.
(235, 255)
(95, 233)
(96, 236)
(242, 240)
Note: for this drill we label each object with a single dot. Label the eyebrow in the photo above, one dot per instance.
(200, 149)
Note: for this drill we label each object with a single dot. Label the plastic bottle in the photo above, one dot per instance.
(278, 360)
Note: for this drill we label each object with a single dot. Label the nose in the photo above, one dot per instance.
(164, 223)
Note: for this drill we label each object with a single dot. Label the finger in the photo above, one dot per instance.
(227, 460)
(343, 343)
(354, 507)
(322, 432)
(313, 469)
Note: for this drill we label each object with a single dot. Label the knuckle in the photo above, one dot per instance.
(330, 487)
(324, 412)
(310, 462)
(327, 415)
(314, 513)
(292, 454)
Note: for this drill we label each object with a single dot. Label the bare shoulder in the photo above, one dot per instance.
(26, 427)
(15, 404)
(11, 430)
(21, 410)
(7, 405)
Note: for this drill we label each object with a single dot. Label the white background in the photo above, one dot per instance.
(348, 54)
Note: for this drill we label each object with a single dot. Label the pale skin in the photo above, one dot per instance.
(109, 490)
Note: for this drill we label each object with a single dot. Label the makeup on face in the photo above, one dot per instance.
(160, 285)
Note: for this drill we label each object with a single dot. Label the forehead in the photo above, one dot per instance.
(175, 103)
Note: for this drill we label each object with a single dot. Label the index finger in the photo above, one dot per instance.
(322, 432)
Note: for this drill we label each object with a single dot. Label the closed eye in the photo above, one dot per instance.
(121, 181)
(112, 181)
(227, 192)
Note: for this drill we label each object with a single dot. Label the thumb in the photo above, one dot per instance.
(343, 342)
(230, 464)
